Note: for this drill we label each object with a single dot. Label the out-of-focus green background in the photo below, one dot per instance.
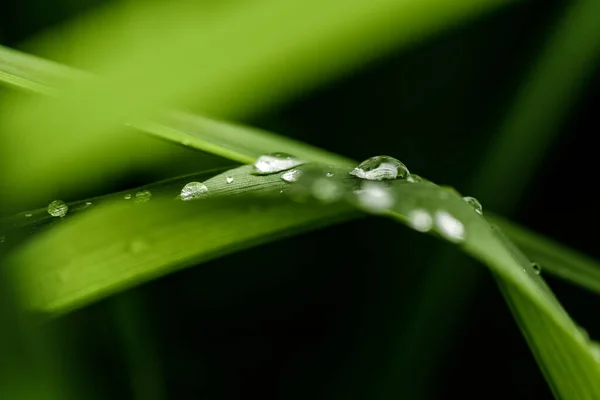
(326, 314)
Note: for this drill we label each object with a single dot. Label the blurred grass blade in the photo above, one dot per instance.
(92, 256)
(224, 60)
(553, 257)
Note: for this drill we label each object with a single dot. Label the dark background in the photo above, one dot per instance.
(327, 314)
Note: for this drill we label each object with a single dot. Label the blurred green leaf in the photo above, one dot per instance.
(225, 60)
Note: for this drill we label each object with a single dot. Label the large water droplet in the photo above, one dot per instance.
(420, 220)
(380, 168)
(143, 196)
(194, 191)
(291, 176)
(449, 227)
(229, 179)
(275, 162)
(58, 208)
(473, 202)
(127, 196)
(536, 268)
(374, 197)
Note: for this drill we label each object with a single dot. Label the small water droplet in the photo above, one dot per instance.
(473, 202)
(420, 220)
(127, 196)
(374, 197)
(537, 268)
(380, 168)
(229, 179)
(275, 162)
(28, 215)
(138, 246)
(329, 174)
(449, 227)
(194, 191)
(2, 239)
(88, 203)
(413, 178)
(291, 176)
(142, 196)
(58, 208)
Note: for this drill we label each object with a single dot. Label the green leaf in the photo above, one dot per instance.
(92, 256)
(554, 258)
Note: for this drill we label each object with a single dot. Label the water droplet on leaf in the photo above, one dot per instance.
(58, 208)
(413, 178)
(374, 197)
(142, 196)
(420, 220)
(229, 179)
(449, 227)
(2, 239)
(127, 196)
(536, 267)
(88, 203)
(28, 215)
(291, 176)
(473, 202)
(380, 168)
(194, 191)
(329, 174)
(275, 162)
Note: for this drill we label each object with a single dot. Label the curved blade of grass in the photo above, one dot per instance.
(92, 256)
(227, 61)
(555, 258)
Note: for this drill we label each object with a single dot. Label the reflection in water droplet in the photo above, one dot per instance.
(326, 190)
(537, 268)
(127, 196)
(275, 162)
(229, 179)
(138, 246)
(374, 197)
(473, 202)
(413, 178)
(420, 220)
(380, 168)
(449, 227)
(28, 215)
(194, 191)
(291, 176)
(142, 196)
(58, 208)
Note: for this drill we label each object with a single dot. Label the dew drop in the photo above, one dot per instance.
(449, 227)
(329, 174)
(473, 202)
(414, 178)
(229, 179)
(58, 208)
(28, 215)
(2, 239)
(291, 176)
(275, 162)
(127, 196)
(420, 220)
(380, 168)
(374, 197)
(88, 203)
(536, 268)
(194, 191)
(143, 196)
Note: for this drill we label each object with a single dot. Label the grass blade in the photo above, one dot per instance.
(553, 257)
